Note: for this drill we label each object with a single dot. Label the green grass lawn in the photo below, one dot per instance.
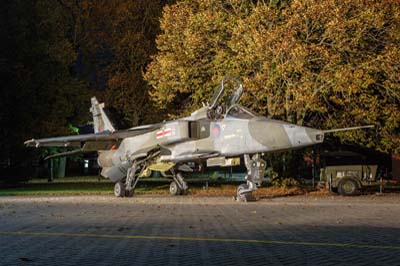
(94, 185)
(78, 186)
(87, 185)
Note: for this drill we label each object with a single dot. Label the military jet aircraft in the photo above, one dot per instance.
(217, 133)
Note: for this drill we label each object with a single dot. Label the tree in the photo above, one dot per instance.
(132, 44)
(40, 95)
(193, 52)
(115, 39)
(55, 54)
(322, 64)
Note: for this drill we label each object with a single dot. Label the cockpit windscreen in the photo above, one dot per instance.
(240, 112)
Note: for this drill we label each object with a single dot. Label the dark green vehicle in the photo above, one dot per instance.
(349, 180)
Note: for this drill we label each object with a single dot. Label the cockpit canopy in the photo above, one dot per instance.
(224, 103)
(225, 97)
(240, 112)
(228, 93)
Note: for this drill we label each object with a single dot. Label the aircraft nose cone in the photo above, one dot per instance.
(315, 135)
(268, 133)
(276, 135)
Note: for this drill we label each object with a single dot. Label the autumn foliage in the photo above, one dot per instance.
(324, 64)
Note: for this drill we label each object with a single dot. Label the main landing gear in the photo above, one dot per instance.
(127, 188)
(254, 178)
(139, 169)
(178, 186)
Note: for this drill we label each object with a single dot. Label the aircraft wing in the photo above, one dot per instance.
(92, 142)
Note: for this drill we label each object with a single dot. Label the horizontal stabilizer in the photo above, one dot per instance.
(346, 129)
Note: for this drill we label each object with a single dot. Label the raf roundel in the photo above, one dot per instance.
(216, 131)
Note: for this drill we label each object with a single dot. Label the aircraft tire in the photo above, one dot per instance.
(243, 196)
(174, 189)
(348, 187)
(119, 189)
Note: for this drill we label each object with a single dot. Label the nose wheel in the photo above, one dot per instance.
(243, 193)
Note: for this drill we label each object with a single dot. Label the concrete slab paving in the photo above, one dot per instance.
(160, 230)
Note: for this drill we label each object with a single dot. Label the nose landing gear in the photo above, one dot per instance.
(255, 176)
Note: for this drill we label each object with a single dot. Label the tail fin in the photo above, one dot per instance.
(101, 122)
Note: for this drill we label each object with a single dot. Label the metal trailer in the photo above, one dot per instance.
(349, 180)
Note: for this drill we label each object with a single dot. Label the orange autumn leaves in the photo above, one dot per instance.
(324, 64)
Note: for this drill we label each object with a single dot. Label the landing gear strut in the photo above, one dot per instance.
(254, 178)
(127, 188)
(134, 173)
(132, 178)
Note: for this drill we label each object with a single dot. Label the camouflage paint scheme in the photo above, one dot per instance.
(207, 134)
